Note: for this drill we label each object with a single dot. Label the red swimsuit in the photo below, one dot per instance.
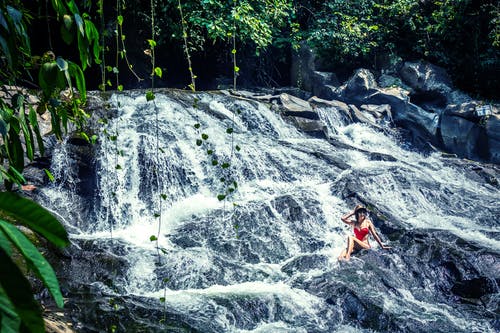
(361, 233)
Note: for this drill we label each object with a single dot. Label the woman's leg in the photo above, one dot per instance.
(353, 242)
(342, 254)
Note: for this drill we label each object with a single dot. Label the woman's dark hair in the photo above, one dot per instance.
(360, 211)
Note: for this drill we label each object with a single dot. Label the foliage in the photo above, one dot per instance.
(54, 75)
(19, 312)
(215, 20)
(19, 129)
(363, 31)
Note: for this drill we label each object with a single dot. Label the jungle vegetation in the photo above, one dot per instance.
(59, 49)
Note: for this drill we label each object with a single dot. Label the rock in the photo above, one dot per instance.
(475, 288)
(423, 124)
(304, 74)
(57, 322)
(294, 104)
(492, 128)
(463, 137)
(382, 111)
(362, 83)
(430, 84)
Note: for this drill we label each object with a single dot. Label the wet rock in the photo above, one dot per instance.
(382, 111)
(474, 288)
(294, 105)
(492, 128)
(463, 137)
(431, 85)
(314, 128)
(361, 83)
(305, 263)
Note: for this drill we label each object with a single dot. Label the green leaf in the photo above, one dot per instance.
(4, 127)
(150, 96)
(215, 162)
(152, 43)
(162, 299)
(163, 196)
(35, 259)
(199, 142)
(5, 244)
(28, 135)
(76, 72)
(158, 71)
(68, 22)
(204, 136)
(221, 197)
(14, 146)
(34, 124)
(34, 216)
(120, 87)
(153, 238)
(210, 152)
(49, 174)
(119, 19)
(9, 320)
(79, 24)
(197, 126)
(237, 148)
(229, 130)
(225, 165)
(62, 64)
(18, 291)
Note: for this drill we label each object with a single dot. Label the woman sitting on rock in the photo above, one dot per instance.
(362, 228)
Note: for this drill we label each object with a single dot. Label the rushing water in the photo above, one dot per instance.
(265, 259)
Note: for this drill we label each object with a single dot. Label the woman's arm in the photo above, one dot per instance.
(346, 217)
(375, 235)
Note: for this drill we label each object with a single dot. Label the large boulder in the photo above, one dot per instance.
(430, 84)
(305, 75)
(301, 114)
(472, 130)
(492, 126)
(361, 84)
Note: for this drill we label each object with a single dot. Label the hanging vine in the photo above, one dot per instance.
(192, 86)
(236, 69)
(100, 11)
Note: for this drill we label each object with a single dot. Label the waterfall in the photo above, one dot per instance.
(265, 259)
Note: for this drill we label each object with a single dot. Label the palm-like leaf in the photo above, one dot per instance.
(34, 216)
(34, 258)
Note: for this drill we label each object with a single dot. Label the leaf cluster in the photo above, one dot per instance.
(19, 311)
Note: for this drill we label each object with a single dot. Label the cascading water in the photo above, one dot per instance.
(265, 260)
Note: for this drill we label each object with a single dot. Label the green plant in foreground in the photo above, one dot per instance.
(19, 311)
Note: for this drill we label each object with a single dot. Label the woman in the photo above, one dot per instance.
(362, 228)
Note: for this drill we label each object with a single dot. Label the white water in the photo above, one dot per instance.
(274, 162)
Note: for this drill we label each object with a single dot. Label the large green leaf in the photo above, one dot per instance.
(14, 146)
(30, 145)
(5, 244)
(93, 37)
(18, 291)
(34, 216)
(35, 259)
(9, 320)
(76, 72)
(36, 129)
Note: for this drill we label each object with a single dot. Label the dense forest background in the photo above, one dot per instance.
(463, 36)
